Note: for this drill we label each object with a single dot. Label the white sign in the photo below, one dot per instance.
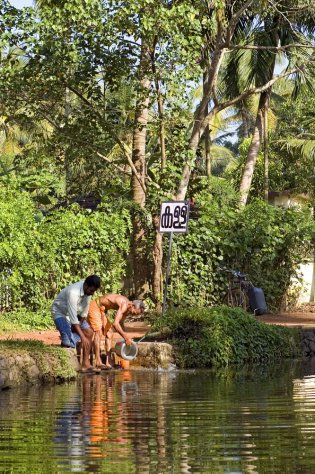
(174, 216)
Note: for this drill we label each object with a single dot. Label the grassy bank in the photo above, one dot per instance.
(221, 336)
(54, 363)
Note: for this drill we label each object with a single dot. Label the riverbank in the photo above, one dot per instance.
(298, 319)
(33, 362)
(31, 357)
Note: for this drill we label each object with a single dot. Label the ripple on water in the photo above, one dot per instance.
(147, 422)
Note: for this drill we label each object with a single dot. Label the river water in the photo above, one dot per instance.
(258, 420)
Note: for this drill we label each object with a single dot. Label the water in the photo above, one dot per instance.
(260, 420)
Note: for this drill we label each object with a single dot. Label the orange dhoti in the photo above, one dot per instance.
(97, 319)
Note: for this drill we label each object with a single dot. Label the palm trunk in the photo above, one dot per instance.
(200, 122)
(140, 267)
(253, 151)
(260, 132)
(266, 155)
(245, 121)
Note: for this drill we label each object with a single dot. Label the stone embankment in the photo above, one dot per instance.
(31, 366)
(21, 367)
(154, 355)
(308, 342)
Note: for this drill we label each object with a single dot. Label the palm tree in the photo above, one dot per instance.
(257, 66)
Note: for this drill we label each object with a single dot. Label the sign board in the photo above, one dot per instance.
(174, 216)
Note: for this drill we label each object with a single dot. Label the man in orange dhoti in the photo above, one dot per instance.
(100, 324)
(98, 320)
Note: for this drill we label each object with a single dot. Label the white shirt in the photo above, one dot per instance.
(71, 302)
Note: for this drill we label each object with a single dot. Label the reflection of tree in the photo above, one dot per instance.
(27, 419)
(143, 422)
(69, 437)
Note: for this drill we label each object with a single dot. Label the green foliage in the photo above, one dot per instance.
(22, 319)
(221, 336)
(266, 242)
(70, 77)
(197, 255)
(269, 243)
(39, 257)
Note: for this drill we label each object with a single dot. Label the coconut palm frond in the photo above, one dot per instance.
(272, 120)
(222, 139)
(306, 147)
(221, 154)
(282, 89)
(302, 82)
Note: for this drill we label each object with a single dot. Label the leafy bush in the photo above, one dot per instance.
(264, 241)
(197, 256)
(23, 320)
(220, 336)
(41, 254)
(270, 243)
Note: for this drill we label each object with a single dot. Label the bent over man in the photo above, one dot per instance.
(69, 311)
(99, 322)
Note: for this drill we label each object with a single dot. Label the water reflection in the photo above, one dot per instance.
(257, 420)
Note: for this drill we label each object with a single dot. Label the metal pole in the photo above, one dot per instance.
(167, 272)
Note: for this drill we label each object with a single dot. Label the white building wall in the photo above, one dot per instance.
(307, 271)
(308, 282)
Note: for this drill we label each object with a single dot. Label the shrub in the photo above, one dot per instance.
(267, 242)
(23, 320)
(41, 254)
(220, 336)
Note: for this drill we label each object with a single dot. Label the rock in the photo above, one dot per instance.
(154, 355)
(309, 334)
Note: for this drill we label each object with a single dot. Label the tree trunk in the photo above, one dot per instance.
(253, 151)
(266, 154)
(208, 152)
(200, 122)
(140, 266)
(157, 252)
(161, 124)
(206, 134)
(157, 270)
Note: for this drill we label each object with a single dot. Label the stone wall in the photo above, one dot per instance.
(308, 342)
(22, 368)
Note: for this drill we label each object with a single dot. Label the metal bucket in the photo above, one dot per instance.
(126, 352)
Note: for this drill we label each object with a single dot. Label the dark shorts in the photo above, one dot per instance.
(69, 338)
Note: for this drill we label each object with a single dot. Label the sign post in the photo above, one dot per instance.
(174, 217)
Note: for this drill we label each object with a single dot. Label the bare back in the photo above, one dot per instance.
(113, 301)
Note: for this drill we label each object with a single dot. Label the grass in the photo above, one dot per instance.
(53, 362)
(24, 320)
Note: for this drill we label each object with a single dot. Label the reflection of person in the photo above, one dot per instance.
(69, 311)
(124, 308)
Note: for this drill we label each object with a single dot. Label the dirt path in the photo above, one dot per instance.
(138, 329)
(51, 336)
(298, 319)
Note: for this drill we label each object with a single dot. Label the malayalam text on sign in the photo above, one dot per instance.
(174, 216)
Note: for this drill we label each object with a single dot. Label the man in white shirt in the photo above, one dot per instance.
(69, 311)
